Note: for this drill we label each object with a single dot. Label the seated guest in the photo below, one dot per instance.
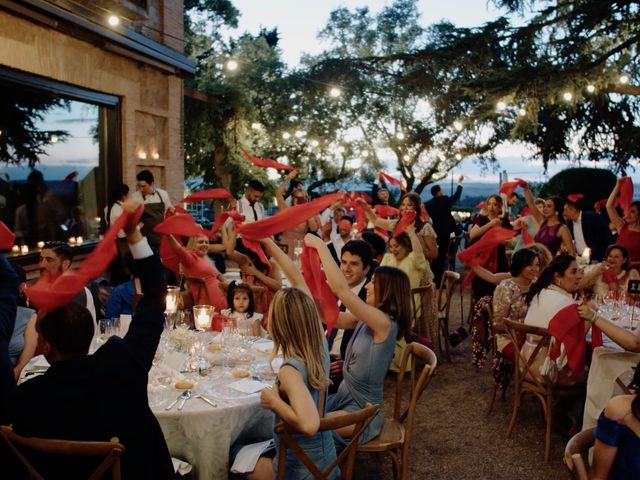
(627, 227)
(104, 395)
(55, 258)
(509, 297)
(195, 262)
(329, 219)
(588, 229)
(552, 233)
(384, 317)
(242, 308)
(615, 273)
(8, 301)
(122, 298)
(355, 266)
(345, 229)
(552, 291)
(615, 454)
(405, 253)
(303, 377)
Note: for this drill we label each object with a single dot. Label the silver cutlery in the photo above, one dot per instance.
(186, 395)
(205, 399)
(172, 404)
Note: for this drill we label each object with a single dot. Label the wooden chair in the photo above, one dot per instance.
(345, 458)
(445, 292)
(419, 313)
(109, 451)
(576, 453)
(527, 380)
(452, 252)
(396, 434)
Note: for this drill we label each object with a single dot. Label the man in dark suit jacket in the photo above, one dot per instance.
(355, 264)
(588, 229)
(8, 302)
(104, 395)
(439, 209)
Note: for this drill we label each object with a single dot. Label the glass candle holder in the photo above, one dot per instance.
(173, 294)
(202, 315)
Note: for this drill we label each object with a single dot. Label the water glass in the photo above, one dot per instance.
(184, 318)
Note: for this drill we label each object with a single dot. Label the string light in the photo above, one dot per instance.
(142, 155)
(113, 20)
(624, 79)
(501, 106)
(54, 139)
(286, 135)
(315, 143)
(300, 133)
(231, 65)
(458, 156)
(400, 136)
(335, 92)
(568, 96)
(458, 125)
(591, 88)
(522, 112)
(256, 126)
(364, 154)
(155, 155)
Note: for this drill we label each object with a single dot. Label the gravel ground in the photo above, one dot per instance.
(454, 440)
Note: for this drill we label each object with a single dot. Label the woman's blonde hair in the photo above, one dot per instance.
(294, 326)
(191, 244)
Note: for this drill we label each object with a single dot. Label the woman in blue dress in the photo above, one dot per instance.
(380, 321)
(303, 378)
(617, 451)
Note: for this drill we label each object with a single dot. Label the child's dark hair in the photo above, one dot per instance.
(235, 287)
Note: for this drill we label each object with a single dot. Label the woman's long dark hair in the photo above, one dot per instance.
(635, 385)
(393, 295)
(558, 265)
(117, 193)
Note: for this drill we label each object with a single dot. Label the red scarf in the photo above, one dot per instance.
(406, 219)
(385, 211)
(7, 237)
(48, 296)
(209, 194)
(508, 188)
(393, 181)
(181, 225)
(574, 197)
(266, 162)
(316, 280)
(626, 193)
(223, 218)
(483, 252)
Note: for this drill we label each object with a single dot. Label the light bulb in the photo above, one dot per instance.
(624, 79)
(232, 65)
(315, 143)
(591, 88)
(400, 136)
(501, 106)
(522, 112)
(568, 96)
(457, 125)
(335, 92)
(113, 20)
(286, 135)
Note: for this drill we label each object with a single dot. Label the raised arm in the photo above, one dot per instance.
(286, 264)
(565, 235)
(531, 203)
(374, 318)
(282, 205)
(453, 199)
(611, 209)
(488, 276)
(477, 231)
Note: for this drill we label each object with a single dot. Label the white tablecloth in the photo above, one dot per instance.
(606, 366)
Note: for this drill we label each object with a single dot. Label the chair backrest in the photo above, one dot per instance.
(447, 284)
(418, 291)
(576, 453)
(110, 452)
(344, 459)
(524, 366)
(452, 251)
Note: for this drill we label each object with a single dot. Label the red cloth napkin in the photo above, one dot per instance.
(391, 180)
(509, 187)
(71, 177)
(574, 197)
(209, 194)
(406, 219)
(626, 193)
(424, 216)
(599, 204)
(266, 162)
(181, 225)
(223, 218)
(48, 296)
(526, 236)
(385, 211)
(7, 237)
(286, 219)
(568, 328)
(483, 251)
(480, 205)
(316, 280)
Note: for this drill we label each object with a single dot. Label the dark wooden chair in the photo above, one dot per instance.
(576, 453)
(445, 292)
(110, 452)
(528, 380)
(345, 458)
(396, 434)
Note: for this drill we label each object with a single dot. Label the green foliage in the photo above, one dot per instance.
(594, 183)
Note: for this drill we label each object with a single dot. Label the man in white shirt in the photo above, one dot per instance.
(345, 229)
(355, 263)
(156, 203)
(55, 258)
(249, 204)
(329, 219)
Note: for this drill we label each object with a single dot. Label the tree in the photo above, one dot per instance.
(565, 82)
(380, 112)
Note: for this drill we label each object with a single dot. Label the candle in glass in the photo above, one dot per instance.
(79, 240)
(172, 299)
(202, 315)
(15, 249)
(24, 249)
(72, 240)
(40, 244)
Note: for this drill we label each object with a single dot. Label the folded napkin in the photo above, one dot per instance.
(248, 456)
(181, 467)
(248, 386)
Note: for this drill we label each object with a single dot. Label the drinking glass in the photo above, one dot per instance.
(184, 319)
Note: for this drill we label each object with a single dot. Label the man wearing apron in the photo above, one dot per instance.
(156, 202)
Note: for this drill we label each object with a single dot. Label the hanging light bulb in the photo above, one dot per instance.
(53, 139)
(231, 65)
(501, 106)
(400, 136)
(256, 126)
(458, 156)
(624, 79)
(335, 92)
(300, 133)
(364, 154)
(591, 88)
(286, 135)
(315, 143)
(522, 112)
(458, 125)
(568, 96)
(113, 20)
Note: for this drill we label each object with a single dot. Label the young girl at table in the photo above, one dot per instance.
(303, 378)
(380, 321)
(242, 308)
(616, 453)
